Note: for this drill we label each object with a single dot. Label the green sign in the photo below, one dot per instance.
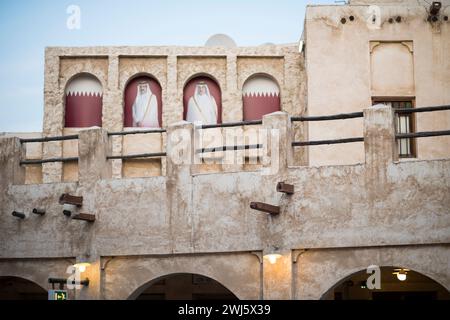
(57, 295)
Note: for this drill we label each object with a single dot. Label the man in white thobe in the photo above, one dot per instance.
(145, 107)
(202, 106)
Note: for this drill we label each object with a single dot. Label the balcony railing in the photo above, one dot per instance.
(342, 116)
(48, 139)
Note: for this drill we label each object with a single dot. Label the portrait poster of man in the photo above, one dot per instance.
(142, 104)
(202, 101)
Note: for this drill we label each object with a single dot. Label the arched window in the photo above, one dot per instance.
(143, 103)
(260, 95)
(202, 100)
(84, 99)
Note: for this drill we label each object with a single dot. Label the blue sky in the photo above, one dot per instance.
(27, 27)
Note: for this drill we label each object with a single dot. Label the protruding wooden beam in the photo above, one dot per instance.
(68, 199)
(85, 217)
(40, 212)
(19, 215)
(285, 188)
(264, 207)
(62, 281)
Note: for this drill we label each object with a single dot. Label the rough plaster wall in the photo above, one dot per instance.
(432, 70)
(295, 98)
(333, 86)
(317, 271)
(121, 211)
(360, 207)
(34, 172)
(221, 211)
(238, 272)
(70, 150)
(53, 115)
(234, 110)
(346, 206)
(113, 110)
(33, 151)
(340, 82)
(132, 213)
(52, 235)
(278, 278)
(139, 168)
(70, 171)
(138, 144)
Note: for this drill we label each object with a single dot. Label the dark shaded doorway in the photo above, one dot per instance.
(411, 285)
(14, 288)
(183, 286)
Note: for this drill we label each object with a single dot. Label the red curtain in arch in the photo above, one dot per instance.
(256, 105)
(84, 100)
(130, 96)
(261, 96)
(214, 90)
(83, 110)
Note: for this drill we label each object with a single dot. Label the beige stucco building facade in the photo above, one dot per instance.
(355, 204)
(364, 61)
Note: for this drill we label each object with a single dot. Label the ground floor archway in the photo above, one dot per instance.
(317, 271)
(128, 277)
(183, 286)
(15, 288)
(397, 283)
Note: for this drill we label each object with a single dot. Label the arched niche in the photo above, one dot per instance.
(392, 68)
(201, 109)
(260, 96)
(83, 102)
(143, 103)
